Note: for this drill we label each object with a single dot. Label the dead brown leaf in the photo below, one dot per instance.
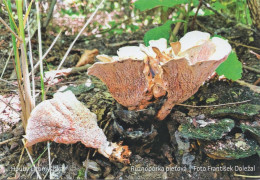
(88, 57)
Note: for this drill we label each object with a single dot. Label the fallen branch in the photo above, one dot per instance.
(246, 176)
(217, 105)
(251, 69)
(8, 140)
(251, 86)
(124, 42)
(65, 72)
(243, 45)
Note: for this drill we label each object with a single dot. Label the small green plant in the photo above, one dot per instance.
(234, 8)
(162, 31)
(143, 5)
(231, 68)
(81, 174)
(167, 8)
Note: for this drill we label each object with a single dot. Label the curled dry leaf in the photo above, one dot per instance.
(141, 75)
(88, 57)
(64, 119)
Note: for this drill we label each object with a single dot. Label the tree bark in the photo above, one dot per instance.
(254, 7)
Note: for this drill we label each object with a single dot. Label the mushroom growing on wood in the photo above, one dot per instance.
(64, 119)
(141, 75)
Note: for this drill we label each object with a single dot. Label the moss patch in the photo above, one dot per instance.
(231, 148)
(240, 111)
(212, 131)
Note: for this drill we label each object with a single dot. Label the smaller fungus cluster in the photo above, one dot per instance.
(139, 76)
(64, 119)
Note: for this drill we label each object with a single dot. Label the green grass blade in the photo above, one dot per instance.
(9, 10)
(12, 25)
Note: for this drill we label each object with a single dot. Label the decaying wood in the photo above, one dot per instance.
(251, 86)
(251, 69)
(254, 6)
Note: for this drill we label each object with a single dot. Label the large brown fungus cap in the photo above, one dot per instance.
(141, 75)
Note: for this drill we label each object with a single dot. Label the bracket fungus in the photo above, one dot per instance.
(139, 76)
(64, 119)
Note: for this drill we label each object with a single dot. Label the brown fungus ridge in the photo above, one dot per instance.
(176, 72)
(181, 81)
(127, 81)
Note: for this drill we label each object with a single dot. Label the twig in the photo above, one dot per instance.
(86, 171)
(49, 157)
(8, 140)
(257, 82)
(124, 42)
(203, 27)
(243, 45)
(251, 69)
(75, 70)
(48, 170)
(9, 29)
(38, 175)
(7, 158)
(195, 16)
(246, 176)
(19, 160)
(215, 11)
(254, 53)
(251, 86)
(7, 62)
(227, 104)
(66, 72)
(49, 15)
(10, 107)
(8, 82)
(177, 26)
(72, 44)
(47, 52)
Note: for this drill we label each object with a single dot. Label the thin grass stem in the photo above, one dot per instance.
(30, 53)
(6, 63)
(40, 48)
